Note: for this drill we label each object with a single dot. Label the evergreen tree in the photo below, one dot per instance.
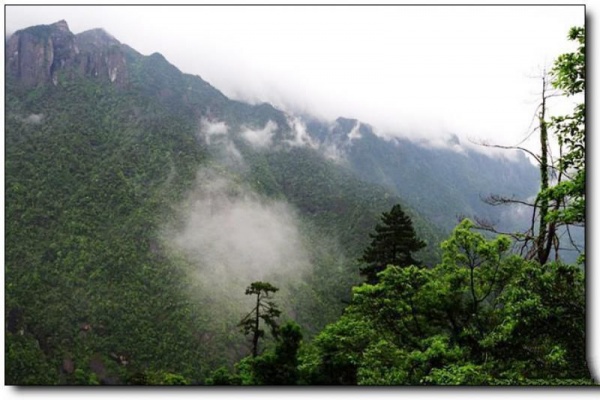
(265, 310)
(482, 316)
(393, 243)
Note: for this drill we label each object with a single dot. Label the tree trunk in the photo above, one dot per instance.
(256, 326)
(543, 250)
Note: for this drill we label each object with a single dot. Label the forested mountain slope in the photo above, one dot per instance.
(460, 176)
(141, 201)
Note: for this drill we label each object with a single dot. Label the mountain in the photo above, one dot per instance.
(460, 177)
(141, 201)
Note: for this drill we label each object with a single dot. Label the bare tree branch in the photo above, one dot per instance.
(497, 200)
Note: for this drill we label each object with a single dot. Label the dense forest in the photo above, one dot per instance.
(159, 233)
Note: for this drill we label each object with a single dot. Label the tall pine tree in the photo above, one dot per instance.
(264, 309)
(393, 242)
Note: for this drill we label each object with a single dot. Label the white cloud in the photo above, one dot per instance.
(260, 138)
(407, 71)
(234, 236)
(301, 136)
(34, 118)
(216, 135)
(209, 129)
(355, 132)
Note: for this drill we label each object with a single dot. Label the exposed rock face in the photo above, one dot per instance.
(102, 56)
(48, 53)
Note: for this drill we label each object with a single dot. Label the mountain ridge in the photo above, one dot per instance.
(401, 164)
(102, 41)
(107, 148)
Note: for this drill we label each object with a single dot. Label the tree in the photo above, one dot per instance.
(264, 309)
(569, 76)
(393, 242)
(560, 202)
(480, 317)
(279, 367)
(333, 356)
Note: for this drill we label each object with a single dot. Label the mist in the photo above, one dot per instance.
(231, 236)
(411, 72)
(260, 138)
(230, 230)
(215, 134)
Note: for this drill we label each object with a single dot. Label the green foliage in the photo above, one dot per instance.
(481, 316)
(222, 377)
(278, 366)
(157, 378)
(392, 244)
(337, 211)
(569, 68)
(333, 358)
(86, 191)
(89, 187)
(28, 363)
(334, 200)
(569, 76)
(166, 378)
(264, 309)
(93, 172)
(85, 379)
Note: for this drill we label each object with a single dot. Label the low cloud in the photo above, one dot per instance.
(212, 129)
(300, 135)
(234, 237)
(227, 236)
(34, 118)
(355, 132)
(333, 152)
(215, 134)
(261, 138)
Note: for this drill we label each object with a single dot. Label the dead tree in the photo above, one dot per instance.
(542, 237)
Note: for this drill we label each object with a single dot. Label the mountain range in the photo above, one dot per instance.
(141, 201)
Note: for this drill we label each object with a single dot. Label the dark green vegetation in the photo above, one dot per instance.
(569, 76)
(108, 152)
(265, 310)
(95, 170)
(481, 316)
(393, 242)
(85, 275)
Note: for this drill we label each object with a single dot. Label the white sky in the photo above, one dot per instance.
(408, 70)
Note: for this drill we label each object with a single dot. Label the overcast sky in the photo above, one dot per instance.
(416, 71)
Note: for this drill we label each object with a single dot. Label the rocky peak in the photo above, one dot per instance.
(61, 26)
(103, 56)
(33, 55)
(98, 38)
(45, 54)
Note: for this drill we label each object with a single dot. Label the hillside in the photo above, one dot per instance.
(141, 201)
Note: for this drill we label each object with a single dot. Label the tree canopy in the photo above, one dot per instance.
(569, 76)
(263, 310)
(482, 316)
(393, 243)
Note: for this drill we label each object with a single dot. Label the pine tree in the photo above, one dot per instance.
(393, 242)
(265, 310)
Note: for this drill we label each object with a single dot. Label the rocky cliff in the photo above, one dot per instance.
(48, 53)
